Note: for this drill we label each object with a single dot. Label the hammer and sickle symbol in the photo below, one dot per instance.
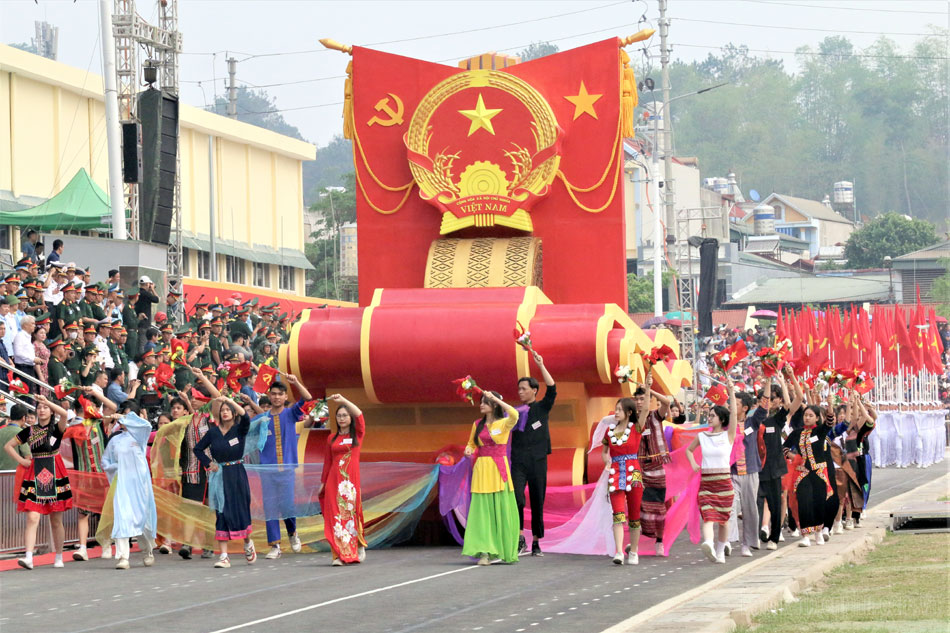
(395, 116)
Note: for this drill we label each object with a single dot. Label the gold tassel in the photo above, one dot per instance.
(629, 96)
(348, 122)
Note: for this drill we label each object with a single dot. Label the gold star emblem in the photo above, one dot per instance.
(481, 116)
(583, 102)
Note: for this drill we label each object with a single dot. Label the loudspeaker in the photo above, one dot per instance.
(708, 274)
(131, 152)
(158, 113)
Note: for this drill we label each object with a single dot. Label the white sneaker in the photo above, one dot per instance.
(361, 553)
(149, 559)
(618, 558)
(805, 542)
(709, 550)
(781, 537)
(771, 546)
(483, 560)
(81, 554)
(295, 545)
(746, 551)
(58, 563)
(274, 553)
(727, 549)
(720, 560)
(106, 551)
(250, 554)
(632, 557)
(838, 528)
(819, 538)
(849, 524)
(25, 563)
(223, 563)
(826, 534)
(660, 551)
(338, 563)
(794, 533)
(122, 563)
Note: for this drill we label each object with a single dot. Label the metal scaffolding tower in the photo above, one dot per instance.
(163, 45)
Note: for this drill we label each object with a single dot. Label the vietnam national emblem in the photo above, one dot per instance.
(483, 147)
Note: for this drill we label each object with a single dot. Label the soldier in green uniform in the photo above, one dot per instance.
(90, 310)
(67, 312)
(119, 357)
(201, 309)
(203, 358)
(214, 341)
(131, 322)
(58, 352)
(74, 347)
(90, 368)
(239, 325)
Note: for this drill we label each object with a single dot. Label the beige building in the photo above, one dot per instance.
(815, 222)
(52, 123)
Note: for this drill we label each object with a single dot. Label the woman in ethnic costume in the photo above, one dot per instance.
(43, 487)
(492, 529)
(231, 499)
(194, 479)
(653, 455)
(716, 492)
(625, 479)
(813, 485)
(340, 496)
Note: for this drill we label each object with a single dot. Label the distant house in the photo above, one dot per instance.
(921, 268)
(814, 222)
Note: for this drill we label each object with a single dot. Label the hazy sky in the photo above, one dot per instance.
(211, 28)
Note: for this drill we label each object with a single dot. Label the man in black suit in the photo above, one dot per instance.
(530, 447)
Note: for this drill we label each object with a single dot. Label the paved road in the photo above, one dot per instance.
(397, 591)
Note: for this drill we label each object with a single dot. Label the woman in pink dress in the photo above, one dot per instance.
(340, 496)
(42, 356)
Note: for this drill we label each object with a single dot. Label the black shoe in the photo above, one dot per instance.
(763, 535)
(207, 553)
(522, 546)
(185, 552)
(536, 548)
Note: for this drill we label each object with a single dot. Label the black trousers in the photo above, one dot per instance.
(770, 490)
(534, 474)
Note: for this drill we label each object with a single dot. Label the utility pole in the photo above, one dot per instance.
(232, 88)
(667, 146)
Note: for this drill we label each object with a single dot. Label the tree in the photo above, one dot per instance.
(334, 162)
(940, 292)
(29, 47)
(640, 291)
(334, 208)
(536, 50)
(889, 234)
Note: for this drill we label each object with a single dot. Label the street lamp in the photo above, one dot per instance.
(889, 265)
(657, 185)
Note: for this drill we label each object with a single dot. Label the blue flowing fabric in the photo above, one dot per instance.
(125, 464)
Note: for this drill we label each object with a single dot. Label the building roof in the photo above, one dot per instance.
(935, 252)
(731, 318)
(816, 289)
(811, 208)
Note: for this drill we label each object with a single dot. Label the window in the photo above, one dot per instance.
(234, 269)
(185, 263)
(262, 275)
(204, 264)
(5, 238)
(287, 278)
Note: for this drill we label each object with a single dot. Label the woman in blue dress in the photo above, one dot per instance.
(228, 491)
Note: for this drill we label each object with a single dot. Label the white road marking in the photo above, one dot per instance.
(343, 599)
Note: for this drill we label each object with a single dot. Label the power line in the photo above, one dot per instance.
(795, 28)
(420, 37)
(824, 6)
(820, 54)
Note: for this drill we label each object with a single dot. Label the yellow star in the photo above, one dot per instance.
(481, 116)
(583, 102)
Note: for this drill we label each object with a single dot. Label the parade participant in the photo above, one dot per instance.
(340, 495)
(750, 451)
(281, 448)
(492, 528)
(653, 455)
(130, 483)
(231, 498)
(621, 445)
(715, 488)
(774, 467)
(194, 479)
(43, 484)
(530, 447)
(814, 492)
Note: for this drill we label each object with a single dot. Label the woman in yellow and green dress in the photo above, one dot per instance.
(492, 528)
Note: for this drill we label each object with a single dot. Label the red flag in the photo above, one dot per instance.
(889, 340)
(727, 358)
(236, 372)
(718, 395)
(16, 384)
(89, 409)
(200, 397)
(179, 352)
(907, 349)
(932, 351)
(266, 376)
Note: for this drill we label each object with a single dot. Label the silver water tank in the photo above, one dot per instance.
(843, 192)
(763, 219)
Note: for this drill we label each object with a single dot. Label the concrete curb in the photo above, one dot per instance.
(771, 580)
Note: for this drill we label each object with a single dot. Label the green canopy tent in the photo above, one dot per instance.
(80, 206)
